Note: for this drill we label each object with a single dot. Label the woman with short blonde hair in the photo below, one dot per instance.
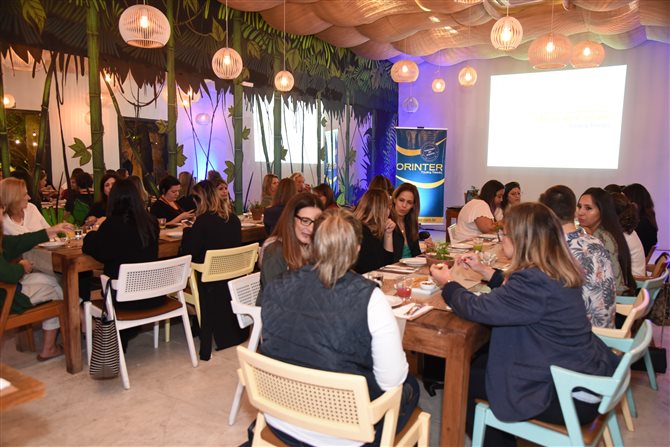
(327, 317)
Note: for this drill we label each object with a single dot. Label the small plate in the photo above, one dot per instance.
(52, 244)
(414, 262)
(249, 225)
(394, 300)
(461, 246)
(174, 234)
(489, 237)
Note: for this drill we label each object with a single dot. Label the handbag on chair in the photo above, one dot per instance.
(105, 352)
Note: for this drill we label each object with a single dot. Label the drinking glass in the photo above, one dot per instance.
(161, 223)
(477, 244)
(403, 288)
(78, 232)
(487, 257)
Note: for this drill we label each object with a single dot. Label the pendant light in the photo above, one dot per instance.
(467, 77)
(284, 79)
(438, 85)
(144, 26)
(551, 50)
(404, 71)
(227, 63)
(507, 33)
(8, 101)
(587, 54)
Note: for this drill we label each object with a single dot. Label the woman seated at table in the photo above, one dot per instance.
(21, 216)
(222, 190)
(270, 184)
(285, 191)
(377, 246)
(129, 234)
(406, 206)
(538, 319)
(80, 202)
(288, 247)
(46, 189)
(511, 196)
(325, 193)
(647, 228)
(381, 182)
(215, 227)
(629, 218)
(99, 208)
(596, 214)
(324, 316)
(166, 206)
(33, 287)
(185, 200)
(476, 217)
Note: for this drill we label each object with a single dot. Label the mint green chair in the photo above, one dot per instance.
(611, 389)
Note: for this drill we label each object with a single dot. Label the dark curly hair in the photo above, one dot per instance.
(627, 212)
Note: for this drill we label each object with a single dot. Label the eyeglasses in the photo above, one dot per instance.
(305, 221)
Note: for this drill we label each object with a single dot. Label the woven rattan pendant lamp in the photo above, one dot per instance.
(467, 77)
(507, 33)
(227, 63)
(144, 26)
(284, 79)
(551, 50)
(587, 54)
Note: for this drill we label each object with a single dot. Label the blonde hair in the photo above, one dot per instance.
(337, 239)
(539, 243)
(373, 210)
(208, 200)
(12, 191)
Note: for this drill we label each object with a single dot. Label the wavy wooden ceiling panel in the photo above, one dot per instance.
(384, 29)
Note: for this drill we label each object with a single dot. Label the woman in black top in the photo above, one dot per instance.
(285, 191)
(79, 204)
(377, 246)
(128, 234)
(167, 207)
(406, 206)
(215, 228)
(99, 208)
(647, 228)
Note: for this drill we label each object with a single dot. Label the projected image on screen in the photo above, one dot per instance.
(558, 119)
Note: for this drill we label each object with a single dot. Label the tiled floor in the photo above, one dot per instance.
(171, 403)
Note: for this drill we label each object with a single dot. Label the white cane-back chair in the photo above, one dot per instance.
(451, 232)
(219, 265)
(141, 281)
(330, 403)
(243, 294)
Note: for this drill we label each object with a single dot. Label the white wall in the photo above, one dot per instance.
(645, 136)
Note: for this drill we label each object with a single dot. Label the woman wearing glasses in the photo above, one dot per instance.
(288, 246)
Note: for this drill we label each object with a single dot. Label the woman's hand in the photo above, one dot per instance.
(471, 261)
(63, 227)
(27, 265)
(440, 274)
(90, 220)
(389, 226)
(185, 215)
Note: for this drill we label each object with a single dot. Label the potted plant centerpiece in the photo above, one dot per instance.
(439, 253)
(256, 210)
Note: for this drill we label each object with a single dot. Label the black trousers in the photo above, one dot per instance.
(408, 402)
(495, 438)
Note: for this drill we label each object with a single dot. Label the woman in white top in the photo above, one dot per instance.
(21, 216)
(629, 218)
(476, 217)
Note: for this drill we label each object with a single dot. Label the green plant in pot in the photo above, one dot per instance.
(439, 253)
(256, 210)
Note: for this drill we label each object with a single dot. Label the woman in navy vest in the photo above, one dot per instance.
(538, 319)
(327, 317)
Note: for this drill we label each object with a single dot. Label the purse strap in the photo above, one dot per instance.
(107, 296)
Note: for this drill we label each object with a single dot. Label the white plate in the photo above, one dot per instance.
(461, 246)
(52, 244)
(175, 234)
(248, 225)
(489, 237)
(393, 300)
(414, 262)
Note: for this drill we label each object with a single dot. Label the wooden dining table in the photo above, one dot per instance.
(442, 333)
(70, 261)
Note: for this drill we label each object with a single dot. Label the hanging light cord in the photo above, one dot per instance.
(284, 35)
(227, 24)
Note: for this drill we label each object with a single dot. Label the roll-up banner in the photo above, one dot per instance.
(420, 161)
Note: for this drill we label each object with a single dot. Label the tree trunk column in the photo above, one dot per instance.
(97, 150)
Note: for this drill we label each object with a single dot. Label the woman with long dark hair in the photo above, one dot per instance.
(166, 206)
(629, 219)
(215, 227)
(476, 217)
(99, 208)
(597, 215)
(538, 320)
(128, 234)
(647, 228)
(406, 206)
(288, 248)
(511, 196)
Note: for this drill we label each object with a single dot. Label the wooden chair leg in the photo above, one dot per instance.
(25, 342)
(628, 419)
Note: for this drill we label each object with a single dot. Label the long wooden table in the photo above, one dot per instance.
(23, 389)
(70, 260)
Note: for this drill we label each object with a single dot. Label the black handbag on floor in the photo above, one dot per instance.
(105, 351)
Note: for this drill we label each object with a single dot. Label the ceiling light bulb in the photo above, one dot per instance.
(144, 21)
(284, 81)
(5, 101)
(226, 59)
(404, 69)
(506, 34)
(550, 46)
(468, 77)
(587, 51)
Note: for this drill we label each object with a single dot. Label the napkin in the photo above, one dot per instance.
(401, 312)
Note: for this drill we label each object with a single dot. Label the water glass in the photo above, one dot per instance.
(477, 244)
(161, 223)
(487, 258)
(78, 233)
